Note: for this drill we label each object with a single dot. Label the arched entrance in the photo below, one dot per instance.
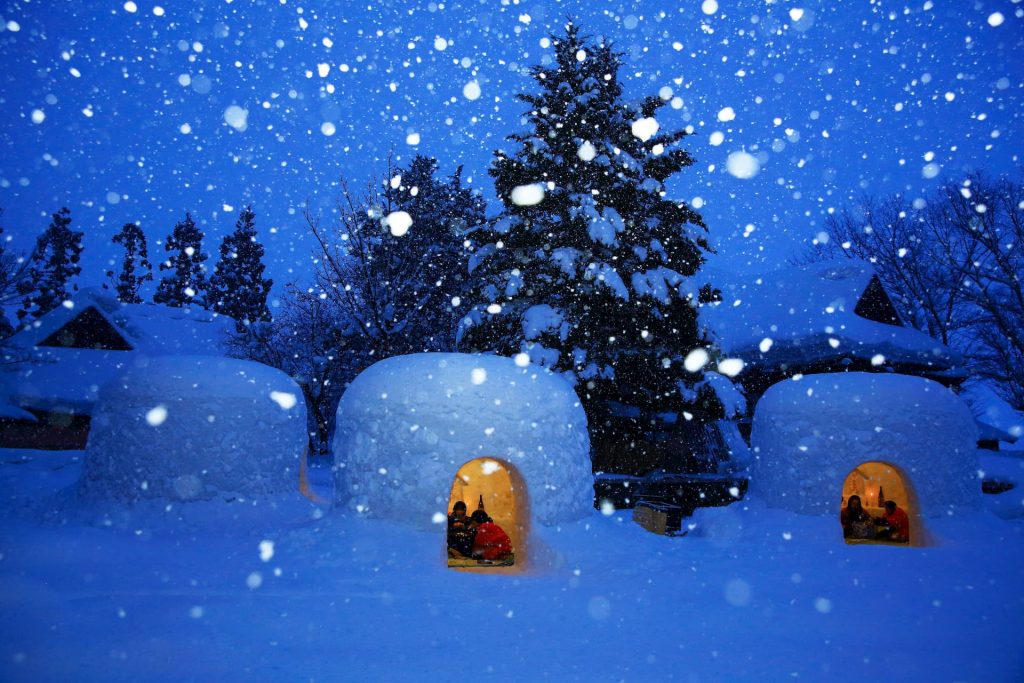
(876, 483)
(501, 489)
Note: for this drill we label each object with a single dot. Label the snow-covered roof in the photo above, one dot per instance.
(993, 413)
(153, 329)
(13, 412)
(987, 432)
(68, 379)
(805, 314)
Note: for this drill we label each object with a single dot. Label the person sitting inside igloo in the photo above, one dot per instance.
(490, 542)
(894, 526)
(460, 532)
(476, 539)
(856, 521)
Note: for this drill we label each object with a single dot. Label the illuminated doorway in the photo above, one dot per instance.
(874, 484)
(500, 489)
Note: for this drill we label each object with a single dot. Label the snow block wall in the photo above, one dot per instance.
(195, 428)
(809, 434)
(407, 424)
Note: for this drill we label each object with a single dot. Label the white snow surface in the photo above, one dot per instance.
(753, 593)
(732, 399)
(185, 428)
(406, 425)
(1006, 468)
(12, 412)
(809, 434)
(991, 410)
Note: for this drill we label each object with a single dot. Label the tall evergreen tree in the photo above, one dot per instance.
(186, 283)
(588, 268)
(136, 269)
(53, 264)
(237, 287)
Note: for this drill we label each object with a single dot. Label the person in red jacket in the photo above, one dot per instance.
(897, 522)
(491, 542)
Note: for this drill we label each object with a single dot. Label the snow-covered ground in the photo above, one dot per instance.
(196, 592)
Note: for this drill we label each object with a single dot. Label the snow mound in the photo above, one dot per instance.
(195, 428)
(407, 424)
(809, 434)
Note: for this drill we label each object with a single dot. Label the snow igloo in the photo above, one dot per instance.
(417, 433)
(187, 428)
(819, 439)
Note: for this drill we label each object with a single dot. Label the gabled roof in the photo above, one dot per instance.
(152, 329)
(806, 314)
(67, 378)
(89, 329)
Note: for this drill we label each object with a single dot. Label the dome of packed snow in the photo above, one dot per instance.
(195, 428)
(408, 424)
(810, 434)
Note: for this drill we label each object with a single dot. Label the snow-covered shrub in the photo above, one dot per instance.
(195, 428)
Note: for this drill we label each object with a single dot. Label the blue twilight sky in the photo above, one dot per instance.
(139, 111)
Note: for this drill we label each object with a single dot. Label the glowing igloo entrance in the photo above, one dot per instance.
(874, 484)
(498, 489)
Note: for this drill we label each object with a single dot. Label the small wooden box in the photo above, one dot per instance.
(659, 518)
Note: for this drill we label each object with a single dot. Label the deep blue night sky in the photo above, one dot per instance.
(119, 110)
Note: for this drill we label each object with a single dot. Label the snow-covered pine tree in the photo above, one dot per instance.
(136, 269)
(588, 268)
(237, 286)
(186, 283)
(54, 262)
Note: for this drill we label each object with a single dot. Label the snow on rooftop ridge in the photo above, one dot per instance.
(154, 329)
(809, 434)
(406, 425)
(808, 314)
(195, 428)
(65, 379)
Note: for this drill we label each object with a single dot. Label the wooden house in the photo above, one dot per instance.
(63, 358)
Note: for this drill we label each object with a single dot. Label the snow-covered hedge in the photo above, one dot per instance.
(195, 428)
(407, 424)
(808, 434)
